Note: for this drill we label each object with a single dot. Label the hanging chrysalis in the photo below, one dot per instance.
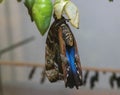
(69, 8)
(29, 4)
(42, 12)
(61, 55)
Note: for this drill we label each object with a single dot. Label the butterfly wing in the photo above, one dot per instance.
(71, 62)
(50, 50)
(52, 54)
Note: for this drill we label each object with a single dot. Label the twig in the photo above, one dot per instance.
(31, 64)
(21, 64)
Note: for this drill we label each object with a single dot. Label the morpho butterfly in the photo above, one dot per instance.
(61, 55)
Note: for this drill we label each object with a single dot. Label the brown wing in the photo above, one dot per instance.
(52, 53)
(51, 68)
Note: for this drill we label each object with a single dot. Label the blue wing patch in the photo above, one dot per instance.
(73, 78)
(70, 54)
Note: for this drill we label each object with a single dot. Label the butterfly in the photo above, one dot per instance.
(62, 60)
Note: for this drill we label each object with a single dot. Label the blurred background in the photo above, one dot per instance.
(98, 42)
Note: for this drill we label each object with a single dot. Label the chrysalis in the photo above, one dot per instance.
(69, 9)
(61, 55)
(29, 4)
(41, 13)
